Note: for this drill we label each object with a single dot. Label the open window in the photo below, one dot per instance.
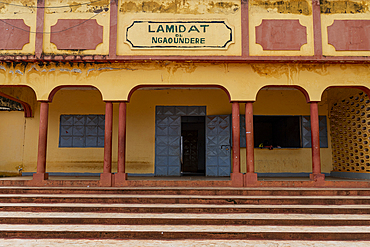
(277, 131)
(283, 131)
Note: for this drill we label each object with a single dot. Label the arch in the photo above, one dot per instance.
(56, 89)
(178, 86)
(305, 93)
(28, 113)
(362, 88)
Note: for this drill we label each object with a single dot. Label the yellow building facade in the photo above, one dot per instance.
(172, 88)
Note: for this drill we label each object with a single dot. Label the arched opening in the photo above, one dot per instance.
(349, 112)
(282, 134)
(17, 106)
(179, 131)
(76, 121)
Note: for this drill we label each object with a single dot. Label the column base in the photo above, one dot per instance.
(39, 179)
(237, 179)
(318, 177)
(250, 179)
(120, 179)
(106, 179)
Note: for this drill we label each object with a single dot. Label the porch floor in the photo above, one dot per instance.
(183, 178)
(307, 179)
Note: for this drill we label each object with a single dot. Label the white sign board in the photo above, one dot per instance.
(179, 35)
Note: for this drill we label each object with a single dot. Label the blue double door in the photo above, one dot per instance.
(169, 141)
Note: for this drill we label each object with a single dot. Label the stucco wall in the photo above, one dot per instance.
(141, 129)
(12, 128)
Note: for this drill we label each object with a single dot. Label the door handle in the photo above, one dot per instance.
(227, 147)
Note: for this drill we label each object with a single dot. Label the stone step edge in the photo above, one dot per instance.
(186, 228)
(149, 205)
(164, 235)
(231, 197)
(238, 216)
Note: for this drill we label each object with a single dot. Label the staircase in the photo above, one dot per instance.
(185, 213)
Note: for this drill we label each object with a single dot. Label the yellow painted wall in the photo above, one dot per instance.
(73, 159)
(141, 129)
(280, 10)
(170, 10)
(12, 129)
(282, 101)
(141, 119)
(19, 9)
(242, 81)
(332, 10)
(98, 10)
(24, 94)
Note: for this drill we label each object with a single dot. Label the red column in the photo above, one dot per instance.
(250, 177)
(236, 176)
(315, 143)
(42, 145)
(106, 176)
(120, 177)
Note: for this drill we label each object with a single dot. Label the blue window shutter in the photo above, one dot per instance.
(306, 132)
(82, 131)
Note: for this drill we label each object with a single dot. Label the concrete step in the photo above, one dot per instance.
(184, 208)
(186, 232)
(177, 243)
(183, 219)
(190, 191)
(185, 199)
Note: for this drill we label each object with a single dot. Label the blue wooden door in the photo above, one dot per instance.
(167, 143)
(218, 150)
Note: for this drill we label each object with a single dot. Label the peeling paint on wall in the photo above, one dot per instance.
(18, 7)
(343, 7)
(180, 7)
(271, 70)
(77, 7)
(284, 6)
(321, 69)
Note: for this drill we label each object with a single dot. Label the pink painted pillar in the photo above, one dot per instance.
(315, 143)
(42, 145)
(250, 177)
(236, 176)
(106, 176)
(120, 177)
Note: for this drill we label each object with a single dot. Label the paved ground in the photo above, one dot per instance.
(178, 243)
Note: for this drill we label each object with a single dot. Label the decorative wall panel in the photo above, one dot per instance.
(76, 34)
(281, 35)
(350, 130)
(350, 35)
(14, 34)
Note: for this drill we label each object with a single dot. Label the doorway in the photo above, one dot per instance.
(192, 145)
(209, 152)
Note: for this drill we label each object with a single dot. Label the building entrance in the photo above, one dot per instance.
(188, 142)
(192, 146)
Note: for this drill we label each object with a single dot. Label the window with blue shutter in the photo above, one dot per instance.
(82, 131)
